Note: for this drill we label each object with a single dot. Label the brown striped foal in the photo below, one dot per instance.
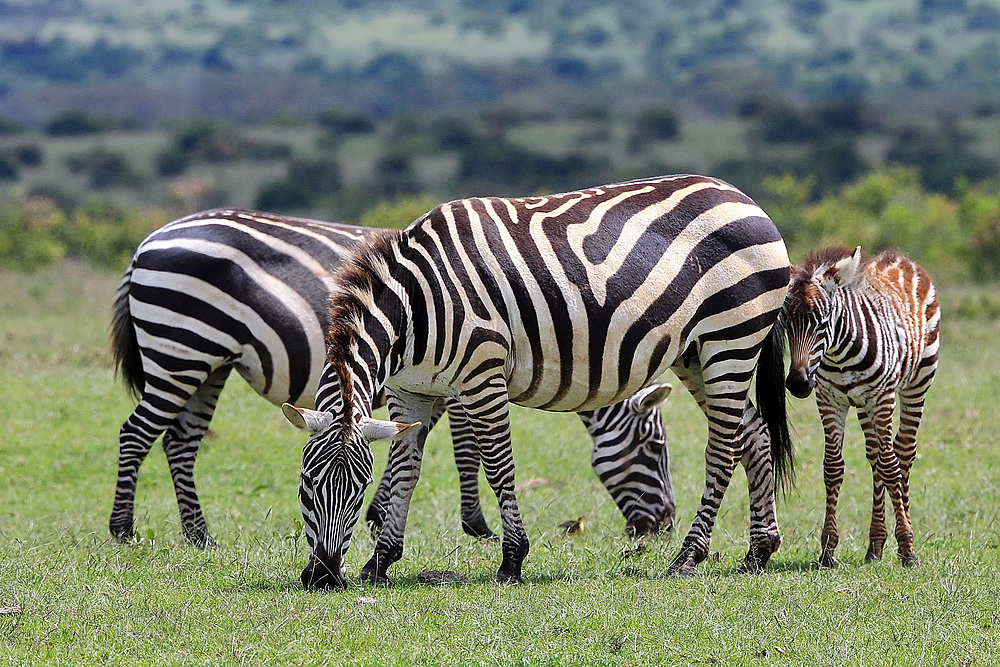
(863, 331)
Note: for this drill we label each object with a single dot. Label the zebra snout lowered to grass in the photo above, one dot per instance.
(864, 332)
(231, 289)
(567, 302)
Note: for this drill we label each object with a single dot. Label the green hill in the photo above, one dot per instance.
(150, 60)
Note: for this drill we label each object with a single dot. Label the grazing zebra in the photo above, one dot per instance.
(565, 302)
(228, 289)
(863, 330)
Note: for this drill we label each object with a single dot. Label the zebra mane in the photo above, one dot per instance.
(820, 260)
(359, 281)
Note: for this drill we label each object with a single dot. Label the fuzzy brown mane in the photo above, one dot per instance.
(361, 274)
(817, 258)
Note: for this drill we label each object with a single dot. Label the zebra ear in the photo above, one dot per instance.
(649, 397)
(376, 429)
(305, 419)
(846, 270)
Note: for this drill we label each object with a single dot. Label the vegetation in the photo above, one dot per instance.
(69, 594)
(254, 59)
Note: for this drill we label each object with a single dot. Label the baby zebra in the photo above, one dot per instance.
(863, 330)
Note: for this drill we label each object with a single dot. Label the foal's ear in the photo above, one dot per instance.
(649, 397)
(305, 419)
(844, 271)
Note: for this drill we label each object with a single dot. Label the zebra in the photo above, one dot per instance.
(862, 331)
(565, 302)
(231, 288)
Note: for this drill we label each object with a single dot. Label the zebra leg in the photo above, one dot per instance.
(155, 413)
(765, 539)
(379, 506)
(467, 460)
(181, 443)
(833, 414)
(405, 456)
(720, 459)
(877, 422)
(488, 412)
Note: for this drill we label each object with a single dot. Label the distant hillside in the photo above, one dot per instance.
(148, 60)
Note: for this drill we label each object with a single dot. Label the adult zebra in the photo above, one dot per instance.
(861, 331)
(563, 302)
(228, 289)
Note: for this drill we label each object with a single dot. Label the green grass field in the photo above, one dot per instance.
(69, 595)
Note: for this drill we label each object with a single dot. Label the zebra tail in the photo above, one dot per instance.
(124, 344)
(771, 402)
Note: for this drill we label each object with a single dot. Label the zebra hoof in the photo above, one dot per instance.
(509, 577)
(123, 534)
(201, 539)
(373, 578)
(479, 530)
(874, 553)
(909, 559)
(827, 561)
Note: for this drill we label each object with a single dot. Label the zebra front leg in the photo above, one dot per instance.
(467, 460)
(379, 506)
(833, 414)
(405, 456)
(765, 539)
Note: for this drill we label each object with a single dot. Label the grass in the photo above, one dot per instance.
(70, 595)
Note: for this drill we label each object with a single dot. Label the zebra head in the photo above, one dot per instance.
(632, 460)
(336, 470)
(808, 312)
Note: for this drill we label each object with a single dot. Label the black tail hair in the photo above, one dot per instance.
(771, 402)
(124, 345)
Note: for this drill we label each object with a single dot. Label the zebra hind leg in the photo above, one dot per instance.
(720, 462)
(155, 413)
(181, 443)
(765, 538)
(467, 460)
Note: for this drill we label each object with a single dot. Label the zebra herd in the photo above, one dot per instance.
(573, 302)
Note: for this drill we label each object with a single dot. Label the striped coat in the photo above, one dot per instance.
(231, 289)
(564, 302)
(863, 331)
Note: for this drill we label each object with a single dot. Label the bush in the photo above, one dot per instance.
(105, 168)
(283, 196)
(654, 125)
(76, 122)
(321, 177)
(35, 231)
(397, 213)
(172, 161)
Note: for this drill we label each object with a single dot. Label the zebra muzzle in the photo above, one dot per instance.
(799, 383)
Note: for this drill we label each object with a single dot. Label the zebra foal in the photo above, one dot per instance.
(567, 302)
(863, 331)
(233, 289)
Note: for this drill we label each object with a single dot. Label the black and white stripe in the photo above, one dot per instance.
(567, 302)
(863, 331)
(229, 289)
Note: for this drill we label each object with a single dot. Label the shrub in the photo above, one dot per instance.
(397, 213)
(76, 122)
(283, 196)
